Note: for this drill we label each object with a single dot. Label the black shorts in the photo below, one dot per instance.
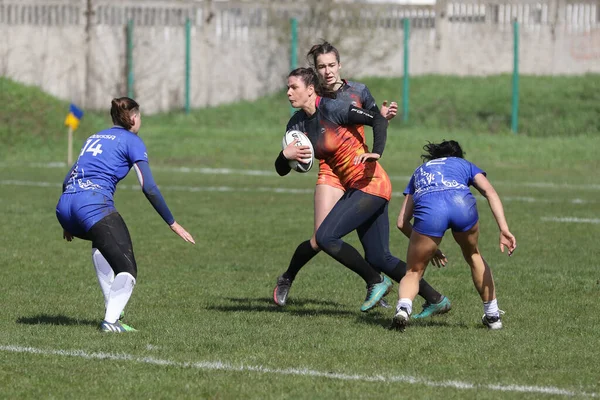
(111, 236)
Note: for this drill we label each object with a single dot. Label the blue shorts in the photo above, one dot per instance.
(436, 212)
(78, 212)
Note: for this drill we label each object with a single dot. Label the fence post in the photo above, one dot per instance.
(515, 78)
(405, 80)
(294, 50)
(188, 28)
(130, 59)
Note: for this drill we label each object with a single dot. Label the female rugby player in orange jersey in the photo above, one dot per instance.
(331, 126)
(325, 59)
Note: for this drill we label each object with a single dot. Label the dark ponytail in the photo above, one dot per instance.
(121, 110)
(448, 148)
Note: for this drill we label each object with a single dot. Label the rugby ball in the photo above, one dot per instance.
(303, 140)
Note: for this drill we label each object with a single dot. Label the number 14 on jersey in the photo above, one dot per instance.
(92, 147)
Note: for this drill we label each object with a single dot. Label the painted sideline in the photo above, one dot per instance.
(572, 219)
(221, 366)
(250, 172)
(230, 189)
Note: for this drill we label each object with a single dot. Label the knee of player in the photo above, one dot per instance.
(313, 243)
(379, 262)
(326, 242)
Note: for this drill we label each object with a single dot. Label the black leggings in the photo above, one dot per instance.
(111, 236)
(368, 215)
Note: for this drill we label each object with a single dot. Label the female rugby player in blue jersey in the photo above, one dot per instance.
(86, 209)
(325, 59)
(438, 197)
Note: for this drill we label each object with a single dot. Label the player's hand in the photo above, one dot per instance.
(439, 259)
(178, 229)
(297, 153)
(508, 239)
(67, 236)
(390, 111)
(366, 157)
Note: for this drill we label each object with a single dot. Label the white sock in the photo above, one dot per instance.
(104, 273)
(120, 292)
(406, 304)
(490, 308)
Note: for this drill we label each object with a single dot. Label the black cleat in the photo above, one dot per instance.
(281, 291)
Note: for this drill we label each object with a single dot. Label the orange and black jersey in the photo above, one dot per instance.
(358, 95)
(334, 133)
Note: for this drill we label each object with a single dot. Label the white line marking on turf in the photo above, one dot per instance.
(221, 366)
(572, 219)
(250, 172)
(231, 189)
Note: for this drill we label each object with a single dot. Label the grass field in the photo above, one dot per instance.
(207, 325)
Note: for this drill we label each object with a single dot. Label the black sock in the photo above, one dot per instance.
(303, 254)
(351, 259)
(426, 291)
(398, 273)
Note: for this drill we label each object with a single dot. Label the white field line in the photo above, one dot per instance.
(221, 366)
(572, 220)
(230, 189)
(249, 172)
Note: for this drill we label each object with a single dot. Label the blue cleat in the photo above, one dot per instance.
(117, 327)
(375, 293)
(434, 309)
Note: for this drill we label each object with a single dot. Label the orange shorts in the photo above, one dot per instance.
(327, 177)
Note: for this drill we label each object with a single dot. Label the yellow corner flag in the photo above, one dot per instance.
(74, 116)
(72, 121)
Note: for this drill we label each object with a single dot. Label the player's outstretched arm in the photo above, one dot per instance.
(178, 229)
(156, 199)
(483, 185)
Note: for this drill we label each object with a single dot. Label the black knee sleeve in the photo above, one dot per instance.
(111, 237)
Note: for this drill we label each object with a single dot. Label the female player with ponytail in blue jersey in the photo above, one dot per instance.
(86, 209)
(438, 198)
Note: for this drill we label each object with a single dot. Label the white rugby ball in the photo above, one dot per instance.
(303, 140)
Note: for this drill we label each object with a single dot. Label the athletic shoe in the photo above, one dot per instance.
(375, 293)
(384, 304)
(493, 323)
(400, 320)
(117, 327)
(434, 309)
(281, 291)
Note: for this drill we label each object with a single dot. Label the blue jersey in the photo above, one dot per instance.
(448, 173)
(105, 159)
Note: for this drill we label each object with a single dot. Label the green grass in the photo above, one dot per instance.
(212, 302)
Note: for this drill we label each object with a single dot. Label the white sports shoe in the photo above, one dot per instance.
(493, 323)
(400, 320)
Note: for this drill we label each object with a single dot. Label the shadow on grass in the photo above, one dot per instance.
(385, 321)
(44, 319)
(294, 307)
(291, 302)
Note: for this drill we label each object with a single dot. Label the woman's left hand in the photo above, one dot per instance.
(366, 157)
(389, 112)
(67, 236)
(439, 259)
